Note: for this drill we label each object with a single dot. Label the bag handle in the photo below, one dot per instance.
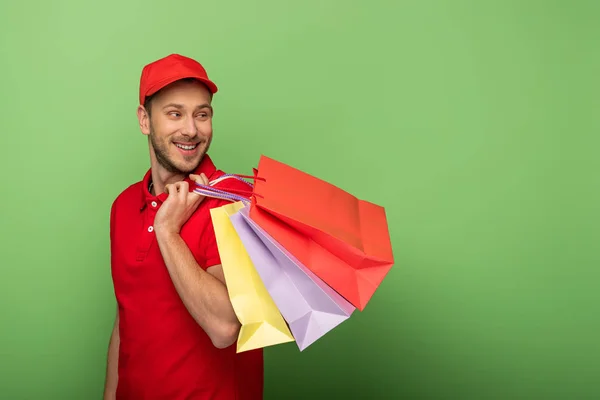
(232, 195)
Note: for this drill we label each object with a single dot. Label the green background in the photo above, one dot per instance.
(474, 123)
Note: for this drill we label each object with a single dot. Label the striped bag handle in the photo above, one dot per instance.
(232, 195)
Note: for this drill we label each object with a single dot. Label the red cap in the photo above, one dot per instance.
(169, 69)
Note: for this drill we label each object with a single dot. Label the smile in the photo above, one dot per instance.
(187, 147)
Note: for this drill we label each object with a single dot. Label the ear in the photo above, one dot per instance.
(144, 120)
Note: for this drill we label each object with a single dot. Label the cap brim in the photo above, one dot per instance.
(165, 82)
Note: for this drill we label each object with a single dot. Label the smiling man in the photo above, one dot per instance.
(175, 329)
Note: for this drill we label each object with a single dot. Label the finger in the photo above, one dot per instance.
(204, 178)
(184, 189)
(173, 188)
(199, 179)
(196, 198)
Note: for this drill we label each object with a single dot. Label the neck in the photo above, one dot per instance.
(161, 178)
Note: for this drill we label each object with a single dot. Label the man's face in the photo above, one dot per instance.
(181, 126)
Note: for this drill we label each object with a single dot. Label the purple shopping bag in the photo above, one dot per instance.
(310, 307)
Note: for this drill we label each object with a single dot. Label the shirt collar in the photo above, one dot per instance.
(206, 166)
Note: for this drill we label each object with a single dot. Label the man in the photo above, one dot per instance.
(175, 329)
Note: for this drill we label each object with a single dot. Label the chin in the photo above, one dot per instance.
(189, 164)
(183, 161)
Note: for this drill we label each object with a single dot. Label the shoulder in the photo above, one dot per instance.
(130, 194)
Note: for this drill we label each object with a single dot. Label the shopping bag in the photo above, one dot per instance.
(344, 240)
(310, 307)
(262, 323)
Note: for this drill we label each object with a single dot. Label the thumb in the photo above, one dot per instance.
(199, 179)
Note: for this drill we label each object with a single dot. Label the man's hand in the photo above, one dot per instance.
(179, 206)
(204, 293)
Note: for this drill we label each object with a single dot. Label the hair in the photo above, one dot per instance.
(148, 99)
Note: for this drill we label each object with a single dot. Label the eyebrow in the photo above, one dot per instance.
(181, 106)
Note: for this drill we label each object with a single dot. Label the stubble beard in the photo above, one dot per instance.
(163, 159)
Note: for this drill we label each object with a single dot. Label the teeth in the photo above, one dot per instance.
(184, 147)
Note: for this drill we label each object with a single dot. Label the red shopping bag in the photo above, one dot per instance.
(343, 240)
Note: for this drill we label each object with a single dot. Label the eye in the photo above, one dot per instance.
(174, 114)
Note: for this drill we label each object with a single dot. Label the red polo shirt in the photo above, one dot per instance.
(164, 353)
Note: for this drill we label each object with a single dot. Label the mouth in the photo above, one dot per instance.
(187, 148)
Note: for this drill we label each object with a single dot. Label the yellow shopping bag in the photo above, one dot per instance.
(262, 323)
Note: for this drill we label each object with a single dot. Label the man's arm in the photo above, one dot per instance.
(112, 371)
(203, 292)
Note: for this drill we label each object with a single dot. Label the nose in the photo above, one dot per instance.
(189, 127)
